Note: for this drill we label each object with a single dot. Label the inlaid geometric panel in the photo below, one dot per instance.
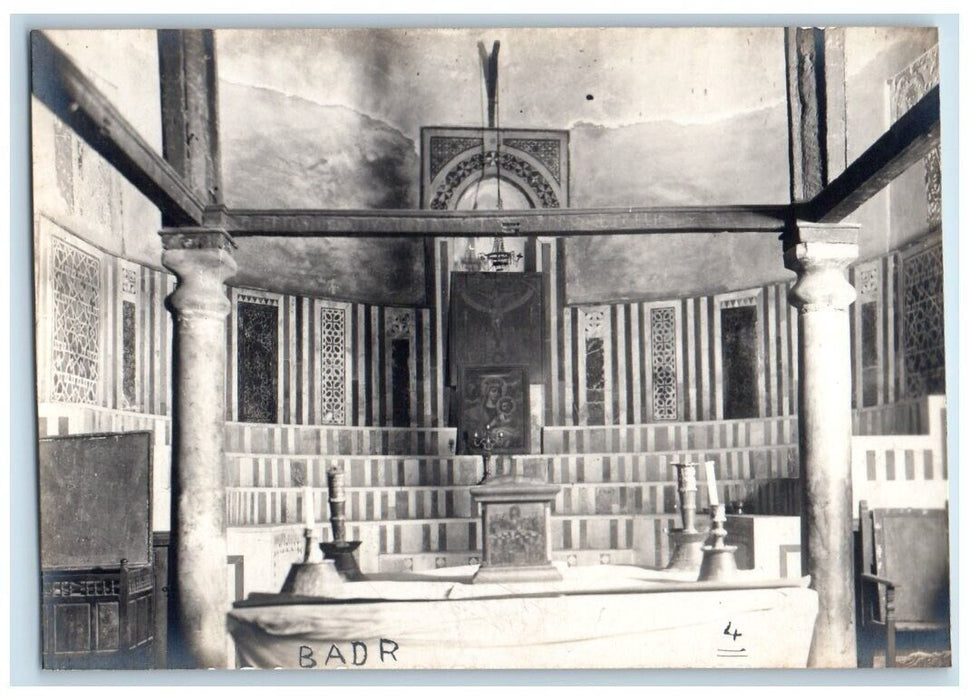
(444, 148)
(923, 323)
(399, 323)
(910, 84)
(539, 190)
(663, 348)
(454, 158)
(76, 319)
(595, 322)
(867, 281)
(333, 369)
(129, 356)
(545, 150)
(258, 376)
(933, 185)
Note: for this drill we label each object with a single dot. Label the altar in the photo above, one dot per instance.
(595, 617)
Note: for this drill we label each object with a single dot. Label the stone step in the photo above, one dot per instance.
(285, 505)
(420, 561)
(385, 470)
(652, 437)
(338, 440)
(568, 530)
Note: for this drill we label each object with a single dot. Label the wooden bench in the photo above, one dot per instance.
(904, 586)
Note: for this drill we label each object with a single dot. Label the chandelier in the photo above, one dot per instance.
(499, 258)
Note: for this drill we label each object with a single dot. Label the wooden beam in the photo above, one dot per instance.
(836, 106)
(908, 141)
(565, 222)
(806, 110)
(189, 106)
(73, 98)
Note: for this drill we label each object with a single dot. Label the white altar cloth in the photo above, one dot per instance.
(596, 617)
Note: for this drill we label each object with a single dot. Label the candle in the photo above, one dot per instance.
(711, 485)
(308, 508)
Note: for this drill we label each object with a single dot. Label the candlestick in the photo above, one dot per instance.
(686, 485)
(686, 541)
(338, 500)
(719, 562)
(340, 551)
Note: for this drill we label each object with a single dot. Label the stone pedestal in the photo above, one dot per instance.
(820, 254)
(201, 260)
(516, 528)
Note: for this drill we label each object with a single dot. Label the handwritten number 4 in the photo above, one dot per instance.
(734, 633)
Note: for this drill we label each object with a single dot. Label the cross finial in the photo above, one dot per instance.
(489, 65)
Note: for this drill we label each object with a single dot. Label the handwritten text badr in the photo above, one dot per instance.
(356, 655)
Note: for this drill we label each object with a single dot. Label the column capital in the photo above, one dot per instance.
(820, 255)
(201, 259)
(196, 238)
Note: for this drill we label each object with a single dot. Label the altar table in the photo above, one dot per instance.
(596, 617)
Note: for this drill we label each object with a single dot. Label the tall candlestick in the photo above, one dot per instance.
(339, 550)
(711, 484)
(335, 483)
(686, 485)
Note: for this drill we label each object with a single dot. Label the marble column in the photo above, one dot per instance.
(820, 255)
(202, 261)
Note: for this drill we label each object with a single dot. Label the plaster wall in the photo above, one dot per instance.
(72, 183)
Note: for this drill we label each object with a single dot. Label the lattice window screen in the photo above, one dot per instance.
(662, 325)
(333, 368)
(923, 323)
(76, 312)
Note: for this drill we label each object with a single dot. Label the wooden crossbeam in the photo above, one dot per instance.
(908, 140)
(565, 222)
(70, 95)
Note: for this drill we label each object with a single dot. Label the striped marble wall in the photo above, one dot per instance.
(631, 363)
(336, 363)
(662, 361)
(106, 340)
(904, 471)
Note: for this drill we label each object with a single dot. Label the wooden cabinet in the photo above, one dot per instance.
(98, 618)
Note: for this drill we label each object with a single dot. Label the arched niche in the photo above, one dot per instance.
(454, 160)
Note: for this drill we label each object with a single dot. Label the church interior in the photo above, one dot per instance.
(476, 310)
